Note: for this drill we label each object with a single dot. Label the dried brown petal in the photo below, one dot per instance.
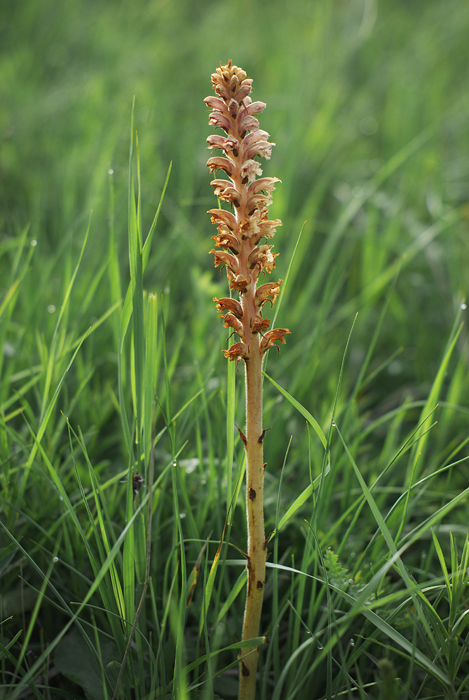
(238, 351)
(270, 337)
(228, 143)
(239, 283)
(255, 107)
(225, 191)
(258, 201)
(223, 258)
(243, 91)
(250, 169)
(263, 257)
(266, 184)
(247, 123)
(217, 163)
(267, 228)
(227, 304)
(268, 291)
(259, 324)
(215, 103)
(249, 227)
(256, 144)
(221, 215)
(218, 119)
(232, 322)
(227, 240)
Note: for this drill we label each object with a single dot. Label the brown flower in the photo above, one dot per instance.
(218, 163)
(270, 337)
(263, 258)
(234, 323)
(227, 304)
(238, 351)
(226, 240)
(220, 216)
(268, 291)
(259, 324)
(222, 258)
(239, 283)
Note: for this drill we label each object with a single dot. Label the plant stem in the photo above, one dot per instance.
(240, 231)
(255, 521)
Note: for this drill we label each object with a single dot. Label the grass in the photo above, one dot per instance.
(111, 344)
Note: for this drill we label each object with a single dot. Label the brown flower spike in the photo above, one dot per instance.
(241, 229)
(242, 232)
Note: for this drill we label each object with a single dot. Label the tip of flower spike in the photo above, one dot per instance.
(230, 83)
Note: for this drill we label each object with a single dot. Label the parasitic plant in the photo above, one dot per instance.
(241, 229)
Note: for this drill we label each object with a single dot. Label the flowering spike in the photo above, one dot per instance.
(241, 228)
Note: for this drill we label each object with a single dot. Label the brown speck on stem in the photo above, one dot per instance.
(261, 437)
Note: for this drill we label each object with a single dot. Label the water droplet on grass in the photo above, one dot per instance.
(395, 368)
(8, 349)
(33, 243)
(463, 306)
(110, 171)
(55, 560)
(51, 309)
(190, 465)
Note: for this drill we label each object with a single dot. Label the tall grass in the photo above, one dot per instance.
(111, 358)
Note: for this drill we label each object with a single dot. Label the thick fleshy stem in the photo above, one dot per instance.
(245, 257)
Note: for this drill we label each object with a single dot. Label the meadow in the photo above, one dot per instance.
(111, 360)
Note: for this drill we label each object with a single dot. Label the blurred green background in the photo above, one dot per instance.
(368, 104)
(347, 84)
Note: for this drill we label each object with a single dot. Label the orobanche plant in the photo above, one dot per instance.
(241, 228)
